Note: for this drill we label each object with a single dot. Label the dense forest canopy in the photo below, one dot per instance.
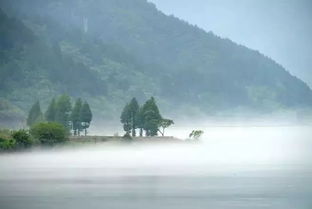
(109, 51)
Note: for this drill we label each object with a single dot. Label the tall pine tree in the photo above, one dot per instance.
(133, 112)
(34, 115)
(76, 118)
(85, 116)
(63, 110)
(125, 119)
(151, 117)
(140, 120)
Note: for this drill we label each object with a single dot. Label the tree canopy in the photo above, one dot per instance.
(76, 117)
(147, 118)
(60, 110)
(85, 116)
(63, 110)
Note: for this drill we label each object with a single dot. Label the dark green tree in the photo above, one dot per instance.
(125, 119)
(76, 118)
(63, 110)
(34, 115)
(140, 120)
(85, 117)
(151, 117)
(133, 112)
(50, 114)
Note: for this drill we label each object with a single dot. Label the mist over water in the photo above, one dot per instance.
(121, 64)
(232, 167)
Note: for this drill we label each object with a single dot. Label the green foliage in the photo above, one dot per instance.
(140, 120)
(129, 117)
(49, 133)
(7, 145)
(196, 134)
(63, 110)
(133, 112)
(125, 119)
(34, 115)
(145, 118)
(85, 116)
(151, 117)
(22, 138)
(165, 123)
(76, 117)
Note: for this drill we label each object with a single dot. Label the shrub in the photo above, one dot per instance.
(22, 138)
(196, 134)
(7, 145)
(6, 141)
(49, 133)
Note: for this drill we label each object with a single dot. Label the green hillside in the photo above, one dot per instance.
(111, 50)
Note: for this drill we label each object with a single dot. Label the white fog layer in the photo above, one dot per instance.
(231, 167)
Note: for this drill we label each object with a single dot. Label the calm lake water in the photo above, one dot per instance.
(233, 167)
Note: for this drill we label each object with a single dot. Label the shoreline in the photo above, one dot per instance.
(86, 141)
(100, 139)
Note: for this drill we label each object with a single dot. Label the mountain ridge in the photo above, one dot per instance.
(117, 50)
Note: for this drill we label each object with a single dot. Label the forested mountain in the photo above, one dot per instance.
(112, 50)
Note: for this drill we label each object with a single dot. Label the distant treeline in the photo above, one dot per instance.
(146, 118)
(76, 118)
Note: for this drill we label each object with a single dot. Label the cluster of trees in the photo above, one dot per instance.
(60, 110)
(146, 118)
(44, 133)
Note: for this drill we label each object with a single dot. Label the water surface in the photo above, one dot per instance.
(233, 167)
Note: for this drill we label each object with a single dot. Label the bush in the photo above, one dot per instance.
(22, 138)
(7, 145)
(6, 141)
(49, 133)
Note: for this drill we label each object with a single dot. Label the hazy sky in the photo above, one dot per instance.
(280, 29)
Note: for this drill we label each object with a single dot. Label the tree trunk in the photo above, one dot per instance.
(133, 125)
(162, 133)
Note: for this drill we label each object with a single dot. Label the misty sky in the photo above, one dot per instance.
(280, 29)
